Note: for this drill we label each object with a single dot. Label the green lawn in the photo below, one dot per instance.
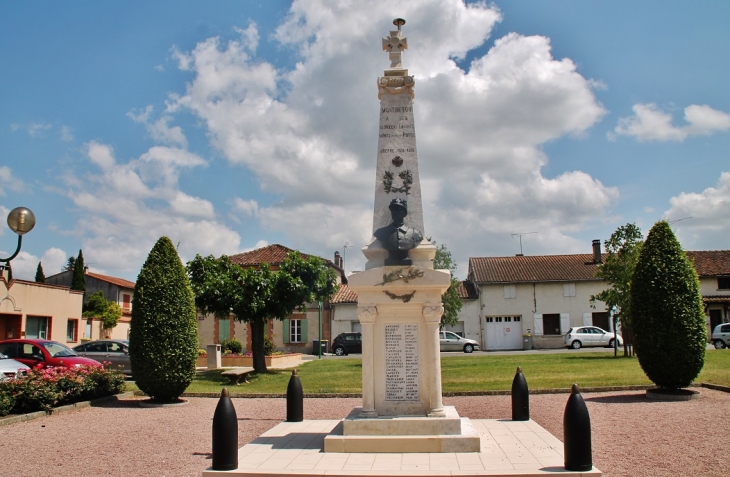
(471, 373)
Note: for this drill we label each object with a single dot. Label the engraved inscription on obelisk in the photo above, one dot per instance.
(401, 362)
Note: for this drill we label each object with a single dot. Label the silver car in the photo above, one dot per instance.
(721, 336)
(115, 352)
(591, 336)
(9, 368)
(452, 342)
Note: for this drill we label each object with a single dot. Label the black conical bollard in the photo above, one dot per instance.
(225, 434)
(577, 434)
(520, 397)
(294, 399)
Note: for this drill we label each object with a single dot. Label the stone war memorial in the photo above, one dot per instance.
(402, 426)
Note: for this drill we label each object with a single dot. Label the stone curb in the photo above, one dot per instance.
(7, 420)
(600, 389)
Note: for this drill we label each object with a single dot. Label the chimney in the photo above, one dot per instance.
(338, 260)
(597, 251)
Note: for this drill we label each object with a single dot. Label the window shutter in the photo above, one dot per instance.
(587, 319)
(538, 324)
(564, 323)
(286, 330)
(304, 330)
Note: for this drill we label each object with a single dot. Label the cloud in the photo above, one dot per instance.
(649, 123)
(160, 130)
(33, 129)
(26, 264)
(309, 133)
(249, 208)
(125, 207)
(9, 181)
(66, 134)
(706, 214)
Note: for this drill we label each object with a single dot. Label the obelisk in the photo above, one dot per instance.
(396, 175)
(399, 299)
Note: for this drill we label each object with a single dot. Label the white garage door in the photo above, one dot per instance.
(356, 327)
(504, 332)
(457, 328)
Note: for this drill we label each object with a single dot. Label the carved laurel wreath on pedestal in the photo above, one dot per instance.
(407, 178)
(406, 298)
(396, 275)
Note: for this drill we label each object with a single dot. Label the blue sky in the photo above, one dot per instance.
(230, 125)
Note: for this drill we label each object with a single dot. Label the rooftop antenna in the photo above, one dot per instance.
(520, 234)
(679, 220)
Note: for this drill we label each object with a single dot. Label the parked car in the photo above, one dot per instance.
(115, 352)
(9, 368)
(721, 336)
(346, 343)
(591, 336)
(450, 341)
(46, 353)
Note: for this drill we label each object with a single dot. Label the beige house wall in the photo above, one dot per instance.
(21, 299)
(345, 315)
(540, 298)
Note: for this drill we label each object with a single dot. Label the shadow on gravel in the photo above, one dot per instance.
(117, 403)
(208, 455)
(622, 399)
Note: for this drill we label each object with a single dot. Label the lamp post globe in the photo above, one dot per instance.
(21, 220)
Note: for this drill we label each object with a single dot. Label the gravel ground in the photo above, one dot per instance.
(632, 436)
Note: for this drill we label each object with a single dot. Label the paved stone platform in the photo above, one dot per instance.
(508, 448)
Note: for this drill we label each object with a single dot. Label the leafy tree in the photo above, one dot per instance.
(99, 307)
(70, 264)
(670, 333)
(255, 295)
(623, 249)
(78, 280)
(451, 299)
(163, 339)
(40, 277)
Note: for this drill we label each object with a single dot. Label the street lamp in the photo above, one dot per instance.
(21, 221)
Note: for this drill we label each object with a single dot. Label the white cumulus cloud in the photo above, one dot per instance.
(706, 214)
(650, 123)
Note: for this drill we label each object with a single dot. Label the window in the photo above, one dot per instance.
(551, 323)
(126, 303)
(723, 283)
(568, 289)
(36, 327)
(72, 330)
(510, 291)
(516, 318)
(87, 331)
(295, 331)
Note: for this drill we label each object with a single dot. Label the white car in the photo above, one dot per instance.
(591, 336)
(9, 368)
(452, 342)
(721, 336)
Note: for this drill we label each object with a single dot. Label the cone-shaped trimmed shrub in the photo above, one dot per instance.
(670, 334)
(163, 339)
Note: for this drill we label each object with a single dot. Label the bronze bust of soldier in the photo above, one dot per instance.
(398, 238)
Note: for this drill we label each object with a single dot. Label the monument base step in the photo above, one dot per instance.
(450, 424)
(508, 448)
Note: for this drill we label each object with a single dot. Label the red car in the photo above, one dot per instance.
(47, 353)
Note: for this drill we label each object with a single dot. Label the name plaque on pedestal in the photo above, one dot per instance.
(401, 362)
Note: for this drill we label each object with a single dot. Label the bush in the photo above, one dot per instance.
(163, 340)
(269, 345)
(668, 317)
(44, 389)
(232, 346)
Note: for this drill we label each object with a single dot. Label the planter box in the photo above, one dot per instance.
(276, 361)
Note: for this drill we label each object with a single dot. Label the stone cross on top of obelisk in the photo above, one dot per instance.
(398, 211)
(395, 44)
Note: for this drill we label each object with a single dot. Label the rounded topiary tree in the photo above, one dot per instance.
(670, 334)
(163, 339)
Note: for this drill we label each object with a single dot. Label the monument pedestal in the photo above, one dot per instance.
(403, 434)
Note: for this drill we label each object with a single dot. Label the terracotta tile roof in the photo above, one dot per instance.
(532, 268)
(710, 263)
(271, 254)
(120, 282)
(716, 298)
(467, 290)
(344, 295)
